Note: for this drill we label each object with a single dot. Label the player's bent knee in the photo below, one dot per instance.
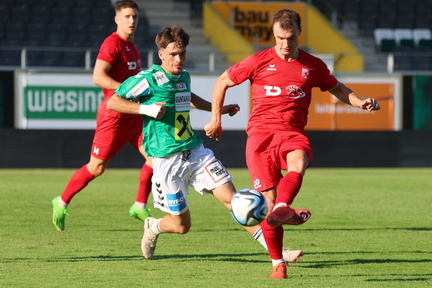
(183, 229)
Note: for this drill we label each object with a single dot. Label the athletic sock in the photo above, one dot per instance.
(277, 261)
(274, 239)
(144, 188)
(61, 203)
(140, 206)
(156, 227)
(259, 236)
(288, 187)
(78, 181)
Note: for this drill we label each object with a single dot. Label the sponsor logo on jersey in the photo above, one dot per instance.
(132, 65)
(272, 90)
(181, 86)
(176, 202)
(182, 101)
(160, 78)
(272, 67)
(140, 89)
(217, 171)
(292, 91)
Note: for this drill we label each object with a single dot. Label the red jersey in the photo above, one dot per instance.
(125, 61)
(281, 90)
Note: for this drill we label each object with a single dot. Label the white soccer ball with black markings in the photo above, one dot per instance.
(248, 207)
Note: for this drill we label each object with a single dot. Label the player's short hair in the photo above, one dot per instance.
(122, 4)
(287, 18)
(172, 34)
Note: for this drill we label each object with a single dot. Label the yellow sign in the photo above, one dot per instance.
(253, 19)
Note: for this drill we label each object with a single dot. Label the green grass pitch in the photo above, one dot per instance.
(369, 228)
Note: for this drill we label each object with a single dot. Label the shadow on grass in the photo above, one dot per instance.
(399, 279)
(182, 257)
(367, 229)
(332, 264)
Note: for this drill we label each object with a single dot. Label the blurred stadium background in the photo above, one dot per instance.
(367, 38)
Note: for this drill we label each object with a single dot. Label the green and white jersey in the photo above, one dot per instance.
(173, 133)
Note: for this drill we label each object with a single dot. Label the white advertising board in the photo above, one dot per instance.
(56, 100)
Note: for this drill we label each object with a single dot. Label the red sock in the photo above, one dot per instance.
(274, 239)
(144, 188)
(79, 180)
(288, 187)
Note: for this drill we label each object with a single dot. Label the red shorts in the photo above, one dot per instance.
(266, 155)
(113, 133)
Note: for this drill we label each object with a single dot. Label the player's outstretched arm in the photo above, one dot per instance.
(199, 103)
(155, 110)
(348, 96)
(214, 128)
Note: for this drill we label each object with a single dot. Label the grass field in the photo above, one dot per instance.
(369, 228)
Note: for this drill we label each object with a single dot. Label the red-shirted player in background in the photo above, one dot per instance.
(117, 60)
(282, 78)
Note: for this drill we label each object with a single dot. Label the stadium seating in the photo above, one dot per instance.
(84, 24)
(402, 39)
(423, 39)
(77, 24)
(385, 39)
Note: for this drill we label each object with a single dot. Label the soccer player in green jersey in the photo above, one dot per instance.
(162, 95)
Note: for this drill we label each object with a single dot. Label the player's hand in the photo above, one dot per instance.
(230, 109)
(370, 104)
(213, 130)
(162, 109)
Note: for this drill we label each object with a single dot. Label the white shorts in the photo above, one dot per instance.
(172, 176)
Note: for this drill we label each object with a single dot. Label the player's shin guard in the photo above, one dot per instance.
(144, 188)
(274, 239)
(79, 180)
(288, 187)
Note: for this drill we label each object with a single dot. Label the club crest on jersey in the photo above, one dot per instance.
(305, 73)
(160, 78)
(295, 92)
(181, 86)
(272, 67)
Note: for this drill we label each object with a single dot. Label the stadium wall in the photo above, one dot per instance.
(71, 148)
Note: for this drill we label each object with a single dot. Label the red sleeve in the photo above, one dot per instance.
(108, 51)
(327, 80)
(242, 71)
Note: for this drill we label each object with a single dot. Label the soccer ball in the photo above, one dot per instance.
(248, 207)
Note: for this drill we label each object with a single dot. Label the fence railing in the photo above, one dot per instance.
(84, 59)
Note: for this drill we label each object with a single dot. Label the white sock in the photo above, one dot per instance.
(276, 262)
(280, 204)
(155, 227)
(259, 236)
(61, 203)
(140, 205)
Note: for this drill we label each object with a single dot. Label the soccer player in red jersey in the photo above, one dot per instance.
(117, 60)
(282, 78)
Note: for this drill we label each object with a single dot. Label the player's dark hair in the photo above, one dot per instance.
(172, 34)
(287, 19)
(119, 5)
